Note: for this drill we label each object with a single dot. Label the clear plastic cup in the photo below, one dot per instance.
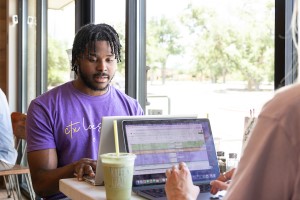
(118, 174)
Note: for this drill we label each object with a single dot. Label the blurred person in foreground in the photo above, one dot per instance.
(8, 153)
(63, 124)
(269, 167)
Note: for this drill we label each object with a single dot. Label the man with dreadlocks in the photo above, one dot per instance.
(63, 124)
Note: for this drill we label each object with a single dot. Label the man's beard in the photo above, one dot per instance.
(89, 83)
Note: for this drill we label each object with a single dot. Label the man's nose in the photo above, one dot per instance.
(101, 66)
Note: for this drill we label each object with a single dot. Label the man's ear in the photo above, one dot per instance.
(77, 59)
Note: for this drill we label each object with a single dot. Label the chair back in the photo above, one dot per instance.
(18, 121)
(18, 124)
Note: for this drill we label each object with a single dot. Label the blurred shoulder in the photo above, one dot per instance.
(285, 100)
(288, 92)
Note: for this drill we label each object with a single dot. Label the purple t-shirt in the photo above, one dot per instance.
(69, 121)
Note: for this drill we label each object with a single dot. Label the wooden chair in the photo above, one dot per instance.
(11, 175)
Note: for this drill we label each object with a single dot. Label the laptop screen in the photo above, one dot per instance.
(160, 144)
(107, 142)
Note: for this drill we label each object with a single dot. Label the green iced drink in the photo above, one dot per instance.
(118, 174)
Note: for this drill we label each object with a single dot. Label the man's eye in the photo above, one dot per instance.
(91, 59)
(110, 60)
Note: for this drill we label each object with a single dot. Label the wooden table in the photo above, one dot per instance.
(78, 190)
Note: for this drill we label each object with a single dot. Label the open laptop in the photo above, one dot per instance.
(107, 144)
(160, 144)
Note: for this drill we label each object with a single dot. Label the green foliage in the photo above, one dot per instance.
(162, 37)
(58, 63)
(225, 44)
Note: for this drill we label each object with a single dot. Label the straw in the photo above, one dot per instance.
(116, 137)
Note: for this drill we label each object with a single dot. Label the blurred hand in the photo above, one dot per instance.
(221, 183)
(85, 166)
(179, 183)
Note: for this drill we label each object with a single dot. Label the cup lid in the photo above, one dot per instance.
(122, 155)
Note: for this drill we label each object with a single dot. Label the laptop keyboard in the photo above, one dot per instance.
(160, 192)
(204, 188)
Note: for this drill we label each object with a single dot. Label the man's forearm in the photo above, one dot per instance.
(46, 182)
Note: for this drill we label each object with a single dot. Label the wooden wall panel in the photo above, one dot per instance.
(3, 42)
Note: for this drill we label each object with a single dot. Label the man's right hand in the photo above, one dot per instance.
(85, 166)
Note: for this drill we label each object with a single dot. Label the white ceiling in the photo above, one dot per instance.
(58, 4)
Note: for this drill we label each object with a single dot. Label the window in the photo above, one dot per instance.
(214, 58)
(61, 32)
